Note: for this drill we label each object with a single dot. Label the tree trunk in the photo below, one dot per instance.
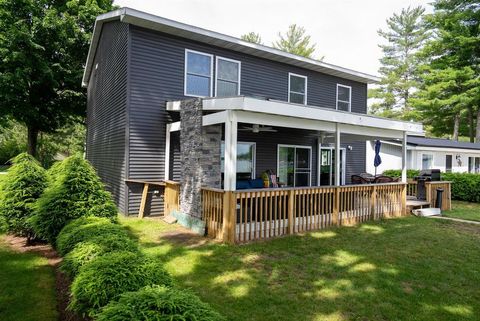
(471, 131)
(32, 140)
(456, 126)
(477, 130)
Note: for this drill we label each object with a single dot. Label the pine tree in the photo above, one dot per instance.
(405, 36)
(451, 68)
(252, 37)
(295, 41)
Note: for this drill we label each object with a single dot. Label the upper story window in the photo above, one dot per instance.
(198, 73)
(344, 97)
(228, 77)
(297, 89)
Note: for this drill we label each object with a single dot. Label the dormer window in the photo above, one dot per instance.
(344, 98)
(297, 89)
(198, 74)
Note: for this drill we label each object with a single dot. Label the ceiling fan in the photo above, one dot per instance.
(255, 128)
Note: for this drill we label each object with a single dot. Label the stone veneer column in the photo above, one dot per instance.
(199, 156)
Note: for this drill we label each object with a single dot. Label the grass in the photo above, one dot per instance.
(464, 210)
(400, 269)
(27, 286)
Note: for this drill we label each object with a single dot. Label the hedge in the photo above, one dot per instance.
(84, 229)
(158, 303)
(21, 187)
(465, 186)
(74, 190)
(110, 275)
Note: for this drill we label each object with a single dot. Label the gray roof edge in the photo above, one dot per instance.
(441, 143)
(151, 21)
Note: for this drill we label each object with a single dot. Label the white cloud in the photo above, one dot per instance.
(345, 31)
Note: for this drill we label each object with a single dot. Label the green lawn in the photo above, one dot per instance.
(27, 287)
(464, 210)
(400, 269)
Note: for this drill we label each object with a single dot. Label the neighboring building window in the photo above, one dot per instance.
(448, 163)
(427, 161)
(344, 97)
(245, 159)
(228, 77)
(297, 89)
(198, 74)
(474, 165)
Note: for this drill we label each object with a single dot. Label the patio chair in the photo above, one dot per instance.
(383, 179)
(357, 179)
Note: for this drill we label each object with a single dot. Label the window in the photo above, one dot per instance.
(448, 163)
(245, 158)
(344, 97)
(294, 165)
(297, 89)
(427, 161)
(474, 165)
(198, 74)
(228, 77)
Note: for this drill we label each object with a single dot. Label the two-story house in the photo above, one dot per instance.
(170, 101)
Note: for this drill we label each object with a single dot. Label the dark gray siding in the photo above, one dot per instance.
(106, 110)
(156, 75)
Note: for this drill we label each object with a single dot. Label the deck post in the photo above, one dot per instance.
(230, 152)
(336, 206)
(228, 218)
(337, 154)
(404, 158)
(373, 201)
(291, 207)
(404, 200)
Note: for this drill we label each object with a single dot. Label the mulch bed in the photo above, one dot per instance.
(62, 282)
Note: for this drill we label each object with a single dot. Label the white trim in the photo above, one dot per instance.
(152, 22)
(238, 62)
(167, 153)
(344, 162)
(343, 101)
(185, 72)
(294, 161)
(230, 172)
(305, 97)
(314, 113)
(404, 157)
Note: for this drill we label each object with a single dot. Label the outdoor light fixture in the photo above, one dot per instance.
(350, 147)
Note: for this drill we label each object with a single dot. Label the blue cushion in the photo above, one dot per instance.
(243, 185)
(256, 183)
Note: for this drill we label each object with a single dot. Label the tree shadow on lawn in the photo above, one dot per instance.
(401, 269)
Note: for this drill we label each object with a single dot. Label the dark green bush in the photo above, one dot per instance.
(411, 173)
(110, 275)
(465, 186)
(158, 303)
(88, 251)
(20, 189)
(85, 228)
(74, 192)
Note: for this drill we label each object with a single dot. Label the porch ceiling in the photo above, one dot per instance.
(283, 114)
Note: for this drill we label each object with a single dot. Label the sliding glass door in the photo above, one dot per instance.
(295, 165)
(326, 166)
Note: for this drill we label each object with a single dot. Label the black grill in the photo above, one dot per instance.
(424, 176)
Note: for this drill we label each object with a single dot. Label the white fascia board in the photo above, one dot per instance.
(443, 149)
(174, 105)
(216, 118)
(161, 24)
(313, 113)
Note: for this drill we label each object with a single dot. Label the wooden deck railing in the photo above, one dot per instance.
(247, 215)
(171, 197)
(431, 192)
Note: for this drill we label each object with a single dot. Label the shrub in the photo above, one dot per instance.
(411, 173)
(110, 275)
(74, 192)
(21, 187)
(465, 186)
(88, 251)
(84, 229)
(158, 303)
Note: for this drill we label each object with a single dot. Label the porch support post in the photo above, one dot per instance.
(337, 154)
(230, 178)
(167, 152)
(404, 158)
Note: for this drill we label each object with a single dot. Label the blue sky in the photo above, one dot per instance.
(345, 31)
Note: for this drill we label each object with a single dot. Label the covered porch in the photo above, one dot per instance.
(312, 152)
